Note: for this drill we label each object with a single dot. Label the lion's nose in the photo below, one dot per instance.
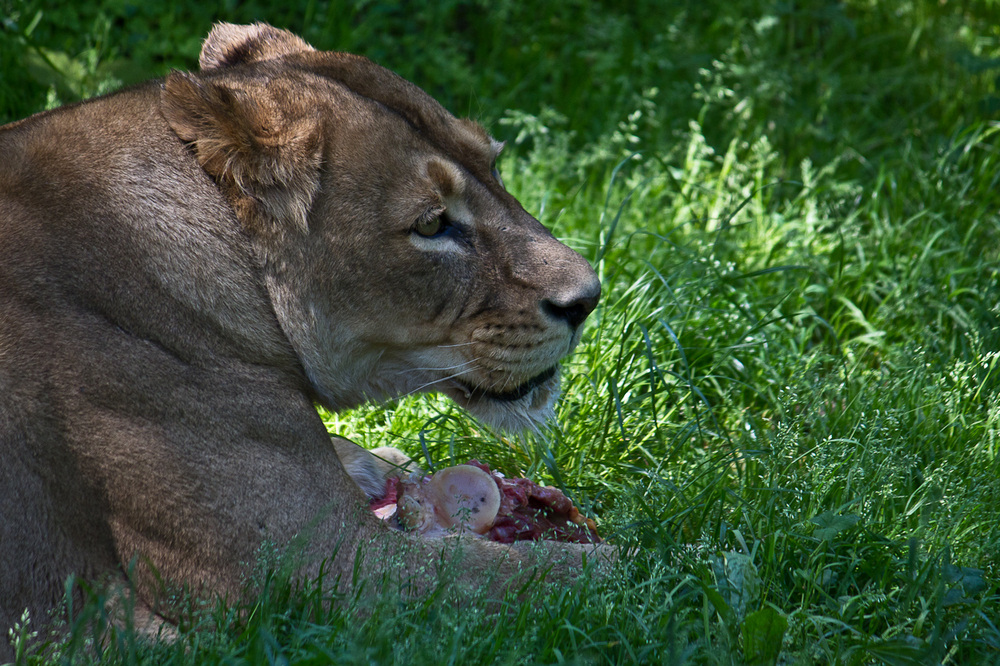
(574, 303)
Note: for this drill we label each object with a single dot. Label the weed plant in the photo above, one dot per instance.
(786, 409)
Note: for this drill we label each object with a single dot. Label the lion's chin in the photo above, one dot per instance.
(522, 408)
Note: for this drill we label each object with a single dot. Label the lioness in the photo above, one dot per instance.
(189, 265)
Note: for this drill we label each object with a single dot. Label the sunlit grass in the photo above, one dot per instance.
(785, 410)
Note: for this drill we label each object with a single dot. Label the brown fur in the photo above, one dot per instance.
(188, 265)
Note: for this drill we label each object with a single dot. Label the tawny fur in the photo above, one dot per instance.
(189, 265)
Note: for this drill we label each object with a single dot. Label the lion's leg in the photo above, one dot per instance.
(467, 565)
(125, 609)
(45, 535)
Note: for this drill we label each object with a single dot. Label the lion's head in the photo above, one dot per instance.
(396, 260)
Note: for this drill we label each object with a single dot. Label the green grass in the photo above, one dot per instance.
(786, 409)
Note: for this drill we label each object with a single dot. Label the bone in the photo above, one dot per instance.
(465, 497)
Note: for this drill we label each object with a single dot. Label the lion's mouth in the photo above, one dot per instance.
(518, 392)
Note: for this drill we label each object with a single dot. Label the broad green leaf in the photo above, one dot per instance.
(829, 524)
(763, 631)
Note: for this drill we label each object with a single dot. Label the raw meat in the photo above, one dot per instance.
(460, 499)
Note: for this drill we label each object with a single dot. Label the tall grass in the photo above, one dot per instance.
(785, 410)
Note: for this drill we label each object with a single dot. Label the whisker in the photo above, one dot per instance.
(500, 385)
(436, 381)
(441, 369)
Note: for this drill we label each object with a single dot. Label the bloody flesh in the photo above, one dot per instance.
(528, 511)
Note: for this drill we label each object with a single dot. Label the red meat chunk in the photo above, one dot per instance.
(529, 512)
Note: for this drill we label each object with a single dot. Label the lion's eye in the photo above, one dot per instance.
(430, 226)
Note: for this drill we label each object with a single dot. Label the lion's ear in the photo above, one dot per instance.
(262, 145)
(228, 44)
